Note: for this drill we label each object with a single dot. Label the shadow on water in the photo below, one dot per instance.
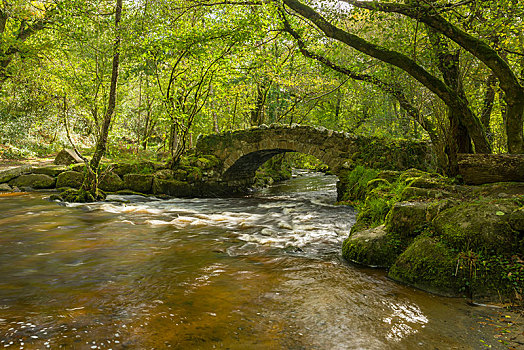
(262, 272)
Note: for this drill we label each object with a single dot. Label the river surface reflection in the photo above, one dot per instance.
(261, 272)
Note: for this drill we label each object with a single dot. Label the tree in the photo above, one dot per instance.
(431, 14)
(18, 23)
(89, 189)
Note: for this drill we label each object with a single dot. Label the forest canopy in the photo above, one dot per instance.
(446, 71)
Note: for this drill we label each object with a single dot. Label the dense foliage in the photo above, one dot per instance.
(443, 70)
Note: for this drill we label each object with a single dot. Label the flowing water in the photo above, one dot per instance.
(261, 272)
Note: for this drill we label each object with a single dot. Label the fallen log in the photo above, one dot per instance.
(477, 169)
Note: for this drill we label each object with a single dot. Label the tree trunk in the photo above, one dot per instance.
(258, 113)
(397, 59)
(508, 80)
(479, 169)
(90, 184)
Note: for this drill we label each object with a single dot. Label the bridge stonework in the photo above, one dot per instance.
(242, 152)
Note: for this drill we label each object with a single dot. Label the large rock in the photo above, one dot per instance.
(80, 167)
(72, 179)
(67, 157)
(9, 174)
(372, 247)
(172, 188)
(164, 174)
(407, 218)
(110, 182)
(482, 225)
(428, 265)
(51, 170)
(516, 220)
(144, 167)
(5, 188)
(138, 182)
(36, 181)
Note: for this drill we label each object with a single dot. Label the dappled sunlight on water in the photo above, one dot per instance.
(262, 272)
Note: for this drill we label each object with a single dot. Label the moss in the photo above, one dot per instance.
(393, 154)
(79, 167)
(407, 219)
(110, 182)
(81, 196)
(355, 183)
(130, 192)
(483, 226)
(72, 179)
(275, 169)
(372, 247)
(172, 188)
(51, 170)
(428, 264)
(36, 181)
(164, 174)
(138, 182)
(194, 174)
(180, 175)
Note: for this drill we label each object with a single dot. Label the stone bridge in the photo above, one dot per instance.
(242, 152)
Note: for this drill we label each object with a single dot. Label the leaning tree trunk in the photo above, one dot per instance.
(90, 185)
(477, 169)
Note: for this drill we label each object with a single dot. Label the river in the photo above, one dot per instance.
(260, 272)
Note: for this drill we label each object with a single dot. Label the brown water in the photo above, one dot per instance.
(262, 272)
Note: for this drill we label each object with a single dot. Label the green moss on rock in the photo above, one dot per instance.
(81, 196)
(36, 181)
(9, 174)
(172, 188)
(407, 219)
(371, 247)
(138, 182)
(483, 226)
(110, 182)
(51, 170)
(164, 174)
(70, 179)
(429, 265)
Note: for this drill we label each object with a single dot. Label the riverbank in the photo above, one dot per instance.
(438, 235)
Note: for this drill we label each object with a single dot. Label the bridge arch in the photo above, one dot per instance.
(241, 153)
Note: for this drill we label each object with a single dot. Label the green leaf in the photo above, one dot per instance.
(500, 213)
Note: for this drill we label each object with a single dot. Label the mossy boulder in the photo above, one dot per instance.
(194, 174)
(172, 188)
(9, 174)
(389, 175)
(138, 182)
(80, 167)
(416, 193)
(206, 162)
(110, 182)
(79, 196)
(180, 175)
(51, 170)
(516, 220)
(429, 265)
(482, 226)
(499, 190)
(164, 174)
(67, 157)
(371, 247)
(71, 179)
(36, 181)
(5, 188)
(144, 167)
(407, 219)
(122, 169)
